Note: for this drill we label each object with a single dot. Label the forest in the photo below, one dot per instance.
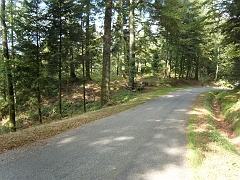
(50, 46)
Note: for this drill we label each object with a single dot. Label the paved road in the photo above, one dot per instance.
(144, 143)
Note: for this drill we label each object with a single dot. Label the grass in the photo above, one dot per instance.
(211, 154)
(194, 153)
(230, 104)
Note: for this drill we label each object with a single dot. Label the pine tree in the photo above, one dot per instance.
(105, 85)
(8, 69)
(231, 31)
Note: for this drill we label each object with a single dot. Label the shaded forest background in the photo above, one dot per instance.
(51, 48)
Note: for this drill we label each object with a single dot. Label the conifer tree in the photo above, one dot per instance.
(105, 85)
(8, 69)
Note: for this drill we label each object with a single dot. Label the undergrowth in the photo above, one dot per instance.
(121, 100)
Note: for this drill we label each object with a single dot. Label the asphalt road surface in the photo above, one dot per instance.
(148, 142)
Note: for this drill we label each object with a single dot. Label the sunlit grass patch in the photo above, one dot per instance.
(194, 154)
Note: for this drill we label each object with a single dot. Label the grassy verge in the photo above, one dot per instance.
(230, 104)
(121, 101)
(211, 154)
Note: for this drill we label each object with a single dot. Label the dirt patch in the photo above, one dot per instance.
(224, 127)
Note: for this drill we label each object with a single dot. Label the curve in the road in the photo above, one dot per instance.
(147, 142)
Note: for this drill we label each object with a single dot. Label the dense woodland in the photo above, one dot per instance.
(49, 45)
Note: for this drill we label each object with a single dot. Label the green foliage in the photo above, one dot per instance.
(231, 31)
(4, 129)
(122, 96)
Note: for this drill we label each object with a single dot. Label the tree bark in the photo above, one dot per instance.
(105, 85)
(131, 45)
(197, 68)
(218, 59)
(60, 61)
(124, 51)
(38, 71)
(88, 77)
(72, 66)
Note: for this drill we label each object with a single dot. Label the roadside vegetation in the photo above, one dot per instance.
(30, 130)
(214, 138)
(213, 132)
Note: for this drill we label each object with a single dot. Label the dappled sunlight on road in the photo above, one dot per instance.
(153, 120)
(66, 140)
(171, 172)
(108, 140)
(181, 110)
(147, 109)
(170, 96)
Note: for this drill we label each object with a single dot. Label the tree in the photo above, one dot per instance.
(59, 17)
(132, 67)
(105, 85)
(8, 69)
(33, 12)
(231, 32)
(121, 37)
(88, 4)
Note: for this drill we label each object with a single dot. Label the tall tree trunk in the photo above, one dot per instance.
(60, 61)
(168, 59)
(83, 71)
(38, 82)
(10, 87)
(196, 68)
(181, 73)
(38, 71)
(105, 85)
(84, 82)
(72, 66)
(131, 45)
(123, 42)
(218, 58)
(87, 42)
